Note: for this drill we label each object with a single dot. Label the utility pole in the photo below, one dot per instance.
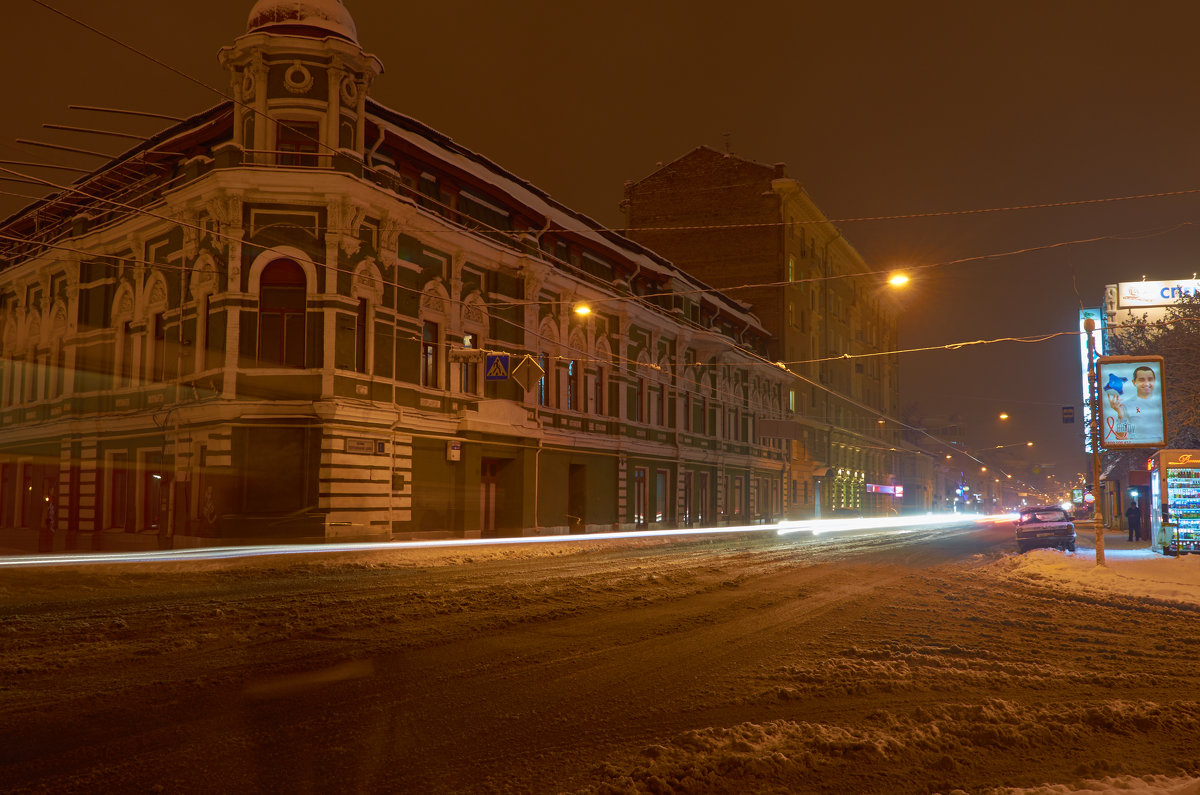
(1089, 326)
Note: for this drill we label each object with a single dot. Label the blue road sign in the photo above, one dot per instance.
(496, 367)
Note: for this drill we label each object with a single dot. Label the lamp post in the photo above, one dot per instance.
(1089, 326)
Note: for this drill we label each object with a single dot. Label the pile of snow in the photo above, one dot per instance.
(782, 754)
(1129, 572)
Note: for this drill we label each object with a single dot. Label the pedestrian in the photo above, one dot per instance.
(1133, 515)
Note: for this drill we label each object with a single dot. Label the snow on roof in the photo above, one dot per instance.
(329, 16)
(441, 147)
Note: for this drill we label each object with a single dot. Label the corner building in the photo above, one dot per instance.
(287, 317)
(747, 223)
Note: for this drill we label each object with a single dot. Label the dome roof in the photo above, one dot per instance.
(303, 17)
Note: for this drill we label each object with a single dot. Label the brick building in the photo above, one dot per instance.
(750, 224)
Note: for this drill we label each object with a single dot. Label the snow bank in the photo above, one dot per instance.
(929, 743)
(1129, 572)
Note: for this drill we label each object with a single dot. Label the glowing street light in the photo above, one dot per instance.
(898, 279)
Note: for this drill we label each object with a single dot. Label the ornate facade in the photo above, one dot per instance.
(291, 317)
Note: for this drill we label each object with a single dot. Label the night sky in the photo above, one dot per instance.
(878, 108)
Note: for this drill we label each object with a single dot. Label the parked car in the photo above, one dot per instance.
(1045, 526)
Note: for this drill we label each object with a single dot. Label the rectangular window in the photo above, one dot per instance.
(543, 385)
(160, 349)
(574, 394)
(687, 411)
(60, 369)
(687, 499)
(126, 355)
(118, 491)
(213, 341)
(297, 143)
(639, 409)
(429, 355)
(469, 371)
(598, 397)
(360, 337)
(738, 507)
(640, 496)
(660, 495)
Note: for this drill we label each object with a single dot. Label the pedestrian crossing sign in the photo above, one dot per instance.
(496, 367)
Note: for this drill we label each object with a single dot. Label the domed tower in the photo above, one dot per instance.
(300, 79)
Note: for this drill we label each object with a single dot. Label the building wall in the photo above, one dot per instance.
(733, 222)
(291, 345)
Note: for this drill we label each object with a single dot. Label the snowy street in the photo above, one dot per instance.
(918, 661)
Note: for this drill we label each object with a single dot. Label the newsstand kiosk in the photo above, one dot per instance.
(1175, 501)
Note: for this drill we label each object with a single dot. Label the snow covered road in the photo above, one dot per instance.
(917, 661)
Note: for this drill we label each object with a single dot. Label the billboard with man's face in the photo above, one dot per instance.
(1131, 401)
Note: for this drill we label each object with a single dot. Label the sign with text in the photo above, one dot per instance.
(1131, 401)
(1131, 295)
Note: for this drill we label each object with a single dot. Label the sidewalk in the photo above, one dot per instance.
(1085, 538)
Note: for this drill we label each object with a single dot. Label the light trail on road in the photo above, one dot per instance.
(813, 526)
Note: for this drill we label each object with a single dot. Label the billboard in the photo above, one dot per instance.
(1131, 401)
(1132, 295)
(1096, 315)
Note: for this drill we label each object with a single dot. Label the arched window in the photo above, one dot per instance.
(282, 293)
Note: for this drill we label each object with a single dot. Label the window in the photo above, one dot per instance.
(283, 290)
(574, 393)
(126, 373)
(213, 342)
(118, 490)
(640, 496)
(543, 385)
(639, 409)
(360, 337)
(660, 495)
(469, 375)
(159, 348)
(60, 369)
(297, 143)
(429, 355)
(598, 398)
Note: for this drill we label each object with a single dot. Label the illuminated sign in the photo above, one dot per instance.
(1143, 294)
(1085, 315)
(1131, 401)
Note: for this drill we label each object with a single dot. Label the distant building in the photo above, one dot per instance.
(746, 223)
(282, 318)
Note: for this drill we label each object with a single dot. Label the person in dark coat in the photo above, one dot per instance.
(1133, 515)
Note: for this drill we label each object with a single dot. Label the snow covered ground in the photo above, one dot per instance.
(1130, 568)
(901, 662)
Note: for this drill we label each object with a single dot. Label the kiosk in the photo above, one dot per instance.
(1175, 501)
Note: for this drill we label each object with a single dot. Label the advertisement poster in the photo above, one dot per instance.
(1131, 401)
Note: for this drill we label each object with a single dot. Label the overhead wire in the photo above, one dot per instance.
(640, 299)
